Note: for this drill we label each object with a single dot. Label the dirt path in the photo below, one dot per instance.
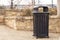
(10, 34)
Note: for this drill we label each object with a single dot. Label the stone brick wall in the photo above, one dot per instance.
(2, 19)
(26, 23)
(10, 19)
(54, 24)
(11, 23)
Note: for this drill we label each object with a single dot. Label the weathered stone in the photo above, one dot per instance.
(1, 18)
(11, 23)
(10, 19)
(54, 24)
(27, 23)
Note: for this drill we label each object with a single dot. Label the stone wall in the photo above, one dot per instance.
(2, 12)
(26, 22)
(54, 24)
(10, 19)
(1, 19)
(10, 23)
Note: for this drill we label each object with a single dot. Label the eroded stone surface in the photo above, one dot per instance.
(26, 23)
(54, 25)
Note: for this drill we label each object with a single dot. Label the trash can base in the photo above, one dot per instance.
(42, 37)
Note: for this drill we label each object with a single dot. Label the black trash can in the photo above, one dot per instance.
(41, 23)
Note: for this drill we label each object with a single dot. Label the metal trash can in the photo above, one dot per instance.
(41, 22)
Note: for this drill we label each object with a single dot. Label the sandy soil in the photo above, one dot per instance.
(10, 34)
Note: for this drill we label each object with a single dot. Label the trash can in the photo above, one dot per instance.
(40, 22)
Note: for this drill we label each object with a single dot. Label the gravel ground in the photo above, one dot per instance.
(7, 33)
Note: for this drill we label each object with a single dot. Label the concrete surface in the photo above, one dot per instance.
(7, 33)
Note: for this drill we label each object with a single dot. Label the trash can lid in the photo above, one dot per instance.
(36, 6)
(39, 6)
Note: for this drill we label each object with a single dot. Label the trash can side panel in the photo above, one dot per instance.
(35, 24)
(41, 24)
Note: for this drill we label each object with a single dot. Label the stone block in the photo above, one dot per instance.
(54, 24)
